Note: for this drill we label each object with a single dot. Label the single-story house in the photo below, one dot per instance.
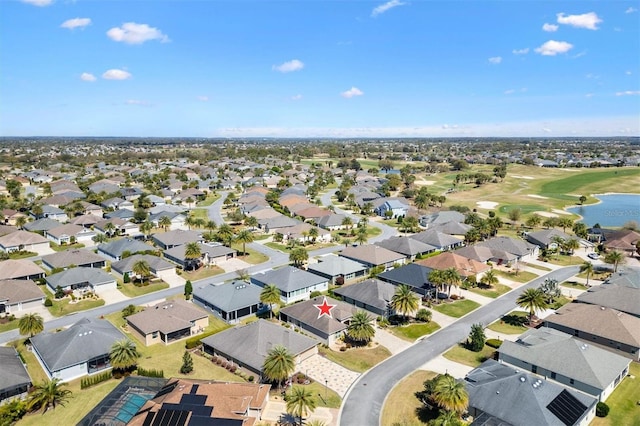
(294, 284)
(406, 246)
(83, 279)
(248, 345)
(18, 295)
(14, 377)
(121, 227)
(373, 256)
(74, 257)
(86, 220)
(55, 213)
(301, 233)
(210, 254)
(26, 241)
(439, 240)
(20, 269)
(168, 322)
(66, 234)
(178, 237)
(278, 224)
(619, 297)
(114, 250)
(80, 350)
(41, 225)
(372, 295)
(545, 238)
(177, 220)
(124, 214)
(231, 302)
(338, 270)
(414, 275)
(157, 266)
(508, 250)
(466, 267)
(441, 217)
(332, 222)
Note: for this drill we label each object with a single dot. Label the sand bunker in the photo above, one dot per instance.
(487, 204)
(560, 211)
(424, 182)
(537, 196)
(521, 177)
(546, 214)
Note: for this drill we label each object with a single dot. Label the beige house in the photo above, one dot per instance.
(168, 322)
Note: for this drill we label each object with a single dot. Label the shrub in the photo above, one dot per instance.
(150, 373)
(195, 341)
(602, 409)
(477, 338)
(251, 378)
(233, 368)
(315, 294)
(224, 364)
(494, 343)
(340, 280)
(48, 302)
(86, 382)
(423, 315)
(59, 294)
(126, 279)
(343, 349)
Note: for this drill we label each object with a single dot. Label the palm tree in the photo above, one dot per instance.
(361, 237)
(48, 394)
(190, 221)
(164, 222)
(278, 365)
(614, 258)
(447, 418)
(571, 245)
(21, 221)
(404, 301)
(436, 277)
(251, 222)
(192, 253)
(123, 354)
(99, 238)
(532, 299)
(300, 402)
(145, 228)
(588, 268)
(298, 256)
(313, 233)
(30, 324)
(450, 394)
(211, 225)
(142, 269)
(347, 222)
(225, 233)
(109, 229)
(490, 278)
(452, 278)
(360, 328)
(270, 295)
(245, 236)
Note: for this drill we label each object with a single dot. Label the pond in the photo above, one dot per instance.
(613, 211)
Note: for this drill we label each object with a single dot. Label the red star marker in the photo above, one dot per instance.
(325, 308)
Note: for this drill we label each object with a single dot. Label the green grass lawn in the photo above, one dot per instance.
(401, 405)
(204, 272)
(357, 359)
(324, 396)
(560, 302)
(521, 277)
(211, 198)
(458, 308)
(493, 292)
(590, 182)
(131, 290)
(536, 266)
(413, 331)
(464, 356)
(253, 257)
(64, 307)
(623, 402)
(9, 325)
(595, 275)
(199, 214)
(512, 323)
(277, 246)
(56, 247)
(21, 255)
(573, 284)
(563, 260)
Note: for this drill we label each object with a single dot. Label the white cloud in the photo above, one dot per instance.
(76, 23)
(296, 97)
(589, 20)
(354, 91)
(116, 74)
(553, 47)
(510, 91)
(589, 95)
(495, 59)
(136, 102)
(40, 3)
(379, 10)
(550, 28)
(203, 98)
(631, 10)
(289, 66)
(628, 72)
(546, 130)
(132, 33)
(520, 51)
(628, 93)
(85, 76)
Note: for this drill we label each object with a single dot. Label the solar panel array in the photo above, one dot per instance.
(567, 408)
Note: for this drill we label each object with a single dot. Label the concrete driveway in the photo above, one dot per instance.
(324, 371)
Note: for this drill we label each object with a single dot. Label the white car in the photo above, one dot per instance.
(593, 255)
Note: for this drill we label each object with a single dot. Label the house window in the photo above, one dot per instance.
(154, 335)
(576, 333)
(534, 369)
(571, 381)
(553, 375)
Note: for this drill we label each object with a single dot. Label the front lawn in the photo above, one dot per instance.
(211, 198)
(203, 272)
(413, 331)
(560, 302)
(64, 306)
(494, 291)
(6, 325)
(357, 359)
(401, 405)
(16, 255)
(464, 356)
(277, 246)
(324, 396)
(512, 323)
(520, 277)
(253, 257)
(131, 290)
(56, 247)
(564, 260)
(458, 308)
(625, 410)
(574, 284)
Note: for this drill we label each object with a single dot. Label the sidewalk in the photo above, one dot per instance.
(391, 342)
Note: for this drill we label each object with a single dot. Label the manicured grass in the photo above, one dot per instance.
(563, 260)
(199, 214)
(560, 302)
(204, 272)
(524, 208)
(401, 405)
(64, 307)
(131, 290)
(324, 397)
(357, 359)
(596, 275)
(36, 372)
(495, 291)
(464, 356)
(253, 257)
(211, 198)
(277, 246)
(56, 247)
(573, 284)
(623, 402)
(21, 255)
(9, 325)
(595, 181)
(536, 266)
(511, 323)
(458, 308)
(413, 331)
(521, 277)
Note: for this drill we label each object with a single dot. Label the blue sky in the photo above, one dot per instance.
(331, 68)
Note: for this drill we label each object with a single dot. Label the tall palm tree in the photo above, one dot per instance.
(571, 245)
(142, 269)
(124, 354)
(452, 278)
(245, 236)
(450, 394)
(211, 225)
(614, 258)
(21, 221)
(278, 365)
(190, 221)
(48, 394)
(30, 324)
(361, 237)
(532, 299)
(313, 233)
(436, 277)
(192, 253)
(109, 229)
(588, 268)
(225, 233)
(360, 328)
(298, 256)
(99, 238)
(251, 222)
(164, 222)
(300, 402)
(490, 278)
(270, 295)
(347, 222)
(145, 228)
(404, 301)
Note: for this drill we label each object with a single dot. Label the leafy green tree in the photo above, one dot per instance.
(278, 365)
(245, 236)
(361, 328)
(164, 222)
(188, 289)
(48, 394)
(59, 294)
(404, 301)
(187, 363)
(146, 227)
(251, 222)
(551, 290)
(614, 258)
(532, 299)
(298, 256)
(489, 278)
(300, 402)
(30, 324)
(270, 295)
(142, 269)
(514, 215)
(124, 354)
(583, 199)
(477, 338)
(192, 254)
(128, 310)
(451, 394)
(423, 315)
(100, 238)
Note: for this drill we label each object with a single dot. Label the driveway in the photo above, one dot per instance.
(234, 264)
(323, 371)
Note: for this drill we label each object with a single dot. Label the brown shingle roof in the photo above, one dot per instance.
(371, 254)
(465, 266)
(16, 268)
(15, 291)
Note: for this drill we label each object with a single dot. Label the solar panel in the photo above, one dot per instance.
(567, 408)
(194, 389)
(165, 390)
(189, 398)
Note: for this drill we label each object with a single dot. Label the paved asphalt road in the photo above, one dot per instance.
(364, 400)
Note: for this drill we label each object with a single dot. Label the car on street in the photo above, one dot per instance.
(593, 255)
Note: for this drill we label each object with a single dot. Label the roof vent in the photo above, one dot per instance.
(602, 308)
(522, 379)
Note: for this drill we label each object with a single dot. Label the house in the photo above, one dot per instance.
(615, 296)
(69, 234)
(231, 301)
(80, 350)
(326, 328)
(170, 239)
(86, 220)
(168, 322)
(545, 238)
(338, 270)
(475, 252)
(466, 267)
(114, 250)
(115, 203)
(301, 233)
(124, 214)
(373, 256)
(406, 246)
(157, 266)
(83, 279)
(313, 213)
(372, 295)
(11, 216)
(55, 213)
(558, 356)
(441, 217)
(248, 345)
(278, 224)
(196, 402)
(177, 220)
(294, 284)
(414, 275)
(507, 250)
(502, 395)
(14, 377)
(41, 225)
(451, 228)
(210, 254)
(120, 227)
(628, 276)
(437, 239)
(623, 240)
(606, 327)
(332, 222)
(20, 269)
(392, 208)
(25, 241)
(19, 295)
(71, 258)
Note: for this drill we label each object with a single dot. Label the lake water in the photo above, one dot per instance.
(614, 211)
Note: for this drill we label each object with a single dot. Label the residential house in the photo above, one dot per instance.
(294, 284)
(338, 270)
(210, 254)
(558, 356)
(503, 395)
(615, 296)
(313, 213)
(41, 225)
(507, 250)
(372, 295)
(278, 224)
(14, 377)
(475, 252)
(70, 258)
(623, 240)
(82, 279)
(122, 227)
(86, 220)
(168, 322)
(609, 328)
(232, 302)
(464, 266)
(70, 234)
(158, 267)
(451, 228)
(19, 295)
(117, 204)
(11, 216)
(441, 217)
(546, 238)
(91, 209)
(25, 241)
(124, 214)
(55, 213)
(332, 222)
(439, 240)
(114, 250)
(373, 256)
(20, 269)
(628, 276)
(248, 345)
(406, 246)
(301, 233)
(177, 220)
(170, 239)
(414, 275)
(392, 208)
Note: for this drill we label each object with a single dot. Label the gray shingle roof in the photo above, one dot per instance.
(155, 263)
(545, 237)
(436, 239)
(76, 257)
(406, 246)
(116, 248)
(17, 268)
(509, 245)
(288, 278)
(414, 275)
(442, 217)
(628, 276)
(251, 343)
(93, 276)
(307, 313)
(619, 297)
(12, 371)
(19, 291)
(177, 237)
(371, 254)
(336, 265)
(371, 292)
(166, 317)
(44, 224)
(229, 297)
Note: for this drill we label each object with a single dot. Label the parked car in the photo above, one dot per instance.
(593, 255)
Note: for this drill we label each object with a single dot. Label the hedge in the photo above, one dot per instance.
(195, 341)
(86, 382)
(494, 343)
(150, 373)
